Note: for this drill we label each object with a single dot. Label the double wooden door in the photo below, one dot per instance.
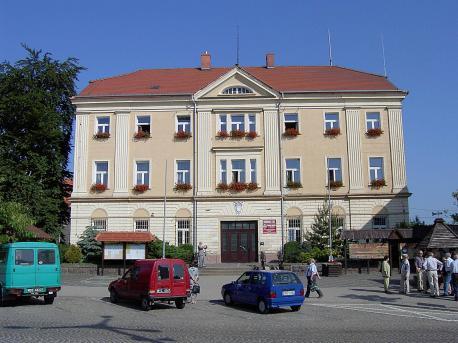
(239, 241)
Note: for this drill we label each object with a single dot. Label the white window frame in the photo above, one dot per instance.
(177, 124)
(103, 126)
(221, 171)
(291, 121)
(220, 122)
(373, 121)
(104, 225)
(239, 171)
(143, 224)
(136, 171)
(251, 170)
(137, 122)
(237, 90)
(238, 124)
(252, 119)
(334, 169)
(331, 121)
(376, 169)
(289, 169)
(295, 231)
(185, 231)
(378, 226)
(229, 156)
(95, 172)
(177, 171)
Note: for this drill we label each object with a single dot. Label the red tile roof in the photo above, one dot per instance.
(125, 236)
(39, 233)
(281, 79)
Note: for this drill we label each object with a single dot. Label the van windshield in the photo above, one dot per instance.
(284, 278)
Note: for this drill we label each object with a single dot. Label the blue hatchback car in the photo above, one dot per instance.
(266, 289)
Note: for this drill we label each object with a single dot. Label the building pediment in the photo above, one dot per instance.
(236, 84)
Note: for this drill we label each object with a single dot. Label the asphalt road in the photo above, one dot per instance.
(354, 309)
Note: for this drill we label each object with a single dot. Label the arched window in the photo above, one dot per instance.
(237, 90)
(141, 220)
(339, 214)
(183, 226)
(379, 218)
(294, 224)
(99, 219)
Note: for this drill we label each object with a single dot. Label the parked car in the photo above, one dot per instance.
(266, 289)
(151, 281)
(29, 269)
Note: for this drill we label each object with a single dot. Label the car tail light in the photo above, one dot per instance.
(302, 292)
(272, 295)
(152, 291)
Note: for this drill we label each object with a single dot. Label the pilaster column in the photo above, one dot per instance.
(355, 169)
(204, 166)
(121, 163)
(80, 165)
(398, 164)
(271, 151)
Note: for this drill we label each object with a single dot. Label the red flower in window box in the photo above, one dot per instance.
(252, 186)
(237, 134)
(142, 134)
(378, 183)
(291, 132)
(374, 132)
(182, 135)
(252, 134)
(98, 187)
(102, 135)
(222, 134)
(222, 187)
(335, 184)
(140, 188)
(332, 132)
(182, 187)
(237, 186)
(293, 185)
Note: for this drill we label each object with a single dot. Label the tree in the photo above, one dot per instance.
(36, 116)
(455, 215)
(319, 234)
(90, 247)
(14, 220)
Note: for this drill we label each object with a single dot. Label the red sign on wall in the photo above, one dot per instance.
(269, 226)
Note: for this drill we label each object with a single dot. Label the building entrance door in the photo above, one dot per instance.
(239, 241)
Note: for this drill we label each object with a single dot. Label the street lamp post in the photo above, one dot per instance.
(331, 258)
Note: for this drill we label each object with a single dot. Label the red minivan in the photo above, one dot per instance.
(150, 281)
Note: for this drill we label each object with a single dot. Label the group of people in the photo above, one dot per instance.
(427, 270)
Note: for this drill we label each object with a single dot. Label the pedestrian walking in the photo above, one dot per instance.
(421, 275)
(455, 276)
(201, 252)
(432, 265)
(386, 273)
(194, 282)
(405, 275)
(312, 277)
(447, 273)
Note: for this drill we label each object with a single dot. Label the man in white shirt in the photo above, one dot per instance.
(405, 275)
(455, 275)
(312, 275)
(432, 265)
(447, 273)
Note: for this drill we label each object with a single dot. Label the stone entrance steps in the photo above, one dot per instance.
(227, 268)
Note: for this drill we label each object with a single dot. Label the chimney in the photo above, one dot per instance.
(205, 61)
(270, 60)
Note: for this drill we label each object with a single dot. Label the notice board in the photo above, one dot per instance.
(368, 251)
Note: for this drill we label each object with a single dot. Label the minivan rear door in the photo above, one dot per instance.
(48, 268)
(163, 279)
(179, 283)
(23, 275)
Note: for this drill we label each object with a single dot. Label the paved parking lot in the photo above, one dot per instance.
(354, 309)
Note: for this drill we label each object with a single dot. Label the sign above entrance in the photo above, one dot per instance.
(269, 226)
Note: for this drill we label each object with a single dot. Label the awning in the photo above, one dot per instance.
(125, 236)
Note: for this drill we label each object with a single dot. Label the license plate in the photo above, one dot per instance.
(288, 293)
(35, 290)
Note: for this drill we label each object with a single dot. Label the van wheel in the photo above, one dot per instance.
(295, 308)
(49, 299)
(228, 299)
(179, 303)
(145, 304)
(262, 307)
(113, 296)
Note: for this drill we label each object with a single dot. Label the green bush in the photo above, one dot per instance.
(62, 250)
(73, 254)
(292, 251)
(184, 252)
(6, 239)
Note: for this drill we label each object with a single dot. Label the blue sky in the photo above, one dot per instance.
(421, 45)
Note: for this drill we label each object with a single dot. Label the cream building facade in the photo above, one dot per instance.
(285, 133)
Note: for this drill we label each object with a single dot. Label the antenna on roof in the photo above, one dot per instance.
(383, 53)
(238, 47)
(330, 47)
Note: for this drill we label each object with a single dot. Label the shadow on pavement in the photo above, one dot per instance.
(376, 298)
(247, 308)
(135, 305)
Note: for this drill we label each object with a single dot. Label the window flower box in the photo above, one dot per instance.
(182, 135)
(374, 132)
(378, 183)
(335, 184)
(140, 188)
(222, 134)
(293, 185)
(332, 132)
(222, 187)
(98, 188)
(182, 187)
(237, 186)
(252, 186)
(291, 132)
(237, 134)
(102, 135)
(142, 134)
(252, 135)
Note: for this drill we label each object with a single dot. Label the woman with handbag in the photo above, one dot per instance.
(194, 278)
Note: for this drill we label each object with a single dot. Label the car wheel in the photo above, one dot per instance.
(49, 299)
(228, 299)
(113, 296)
(296, 308)
(262, 307)
(145, 304)
(179, 303)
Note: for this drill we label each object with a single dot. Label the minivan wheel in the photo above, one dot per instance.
(296, 308)
(145, 304)
(49, 299)
(262, 307)
(227, 299)
(179, 303)
(113, 296)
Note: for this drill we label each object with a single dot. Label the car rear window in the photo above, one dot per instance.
(46, 256)
(284, 278)
(24, 257)
(163, 273)
(178, 272)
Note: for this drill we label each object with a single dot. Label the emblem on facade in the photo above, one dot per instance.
(238, 207)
